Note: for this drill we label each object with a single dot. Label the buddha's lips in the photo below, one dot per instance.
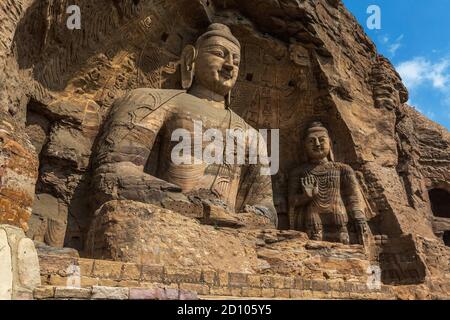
(226, 75)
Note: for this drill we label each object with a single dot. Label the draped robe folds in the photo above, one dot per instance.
(339, 197)
(133, 158)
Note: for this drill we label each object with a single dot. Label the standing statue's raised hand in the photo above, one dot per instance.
(310, 186)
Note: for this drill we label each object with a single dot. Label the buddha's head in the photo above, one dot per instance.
(317, 142)
(214, 62)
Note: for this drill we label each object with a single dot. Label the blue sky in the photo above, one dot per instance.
(415, 36)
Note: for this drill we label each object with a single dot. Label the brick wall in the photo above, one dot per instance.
(112, 293)
(58, 271)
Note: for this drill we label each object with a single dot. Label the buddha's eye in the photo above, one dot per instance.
(218, 53)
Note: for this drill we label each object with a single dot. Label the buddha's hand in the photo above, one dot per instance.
(310, 186)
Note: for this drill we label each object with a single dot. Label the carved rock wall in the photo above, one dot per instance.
(12, 89)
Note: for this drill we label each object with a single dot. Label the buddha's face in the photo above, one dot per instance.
(217, 65)
(317, 145)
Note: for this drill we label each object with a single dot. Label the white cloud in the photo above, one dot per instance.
(392, 47)
(420, 71)
(413, 72)
(440, 74)
(421, 74)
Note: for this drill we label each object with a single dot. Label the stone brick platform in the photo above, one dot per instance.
(111, 293)
(159, 282)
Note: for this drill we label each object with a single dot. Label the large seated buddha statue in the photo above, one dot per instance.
(138, 154)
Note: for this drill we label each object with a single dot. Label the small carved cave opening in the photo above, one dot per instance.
(446, 238)
(440, 203)
(164, 37)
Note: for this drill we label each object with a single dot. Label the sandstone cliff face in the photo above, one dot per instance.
(302, 60)
(19, 171)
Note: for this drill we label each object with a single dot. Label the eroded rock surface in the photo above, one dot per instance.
(135, 232)
(130, 231)
(18, 173)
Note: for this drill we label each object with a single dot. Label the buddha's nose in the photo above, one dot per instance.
(228, 65)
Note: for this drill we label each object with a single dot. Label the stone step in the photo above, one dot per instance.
(158, 293)
(111, 293)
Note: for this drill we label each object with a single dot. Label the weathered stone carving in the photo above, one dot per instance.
(133, 159)
(325, 192)
(19, 265)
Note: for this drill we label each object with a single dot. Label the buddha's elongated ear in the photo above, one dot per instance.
(228, 100)
(187, 66)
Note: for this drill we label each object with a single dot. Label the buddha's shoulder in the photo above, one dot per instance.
(143, 100)
(301, 171)
(343, 167)
(241, 123)
(150, 96)
(307, 169)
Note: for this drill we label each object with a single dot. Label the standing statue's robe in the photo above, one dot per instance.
(339, 196)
